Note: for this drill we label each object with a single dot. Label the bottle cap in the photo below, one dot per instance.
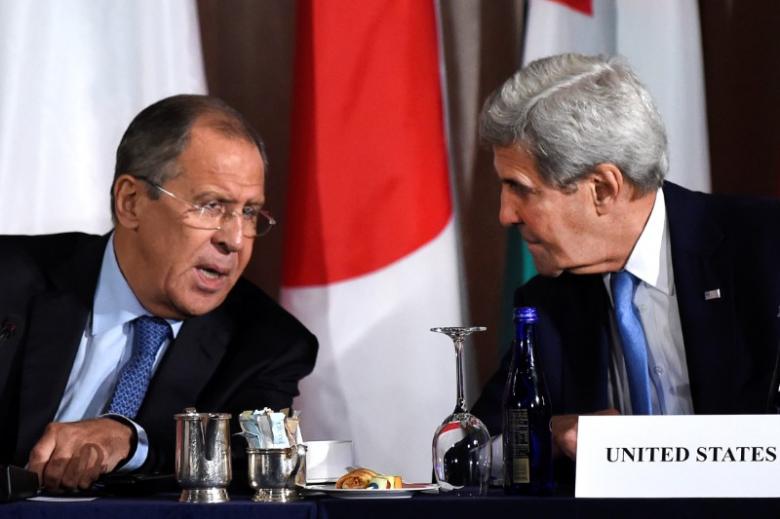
(526, 314)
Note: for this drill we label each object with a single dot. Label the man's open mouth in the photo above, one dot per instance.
(211, 272)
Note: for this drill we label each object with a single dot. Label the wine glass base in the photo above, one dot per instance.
(467, 491)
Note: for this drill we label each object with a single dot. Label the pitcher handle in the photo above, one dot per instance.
(301, 454)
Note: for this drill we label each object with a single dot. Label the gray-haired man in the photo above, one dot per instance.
(581, 153)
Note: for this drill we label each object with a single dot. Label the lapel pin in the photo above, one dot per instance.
(709, 295)
(7, 330)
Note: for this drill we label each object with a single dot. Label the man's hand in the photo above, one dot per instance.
(73, 455)
(564, 432)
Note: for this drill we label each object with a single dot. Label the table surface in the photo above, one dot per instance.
(420, 506)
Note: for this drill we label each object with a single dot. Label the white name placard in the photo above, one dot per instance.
(678, 456)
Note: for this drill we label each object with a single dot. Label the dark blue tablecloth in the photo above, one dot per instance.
(419, 506)
(162, 507)
(499, 506)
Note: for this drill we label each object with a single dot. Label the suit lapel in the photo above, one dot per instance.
(707, 322)
(55, 326)
(587, 366)
(12, 329)
(574, 341)
(189, 363)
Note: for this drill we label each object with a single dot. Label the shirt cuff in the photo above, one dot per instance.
(139, 451)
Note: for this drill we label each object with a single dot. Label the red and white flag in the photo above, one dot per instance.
(370, 256)
(662, 41)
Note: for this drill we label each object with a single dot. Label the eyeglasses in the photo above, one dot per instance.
(213, 215)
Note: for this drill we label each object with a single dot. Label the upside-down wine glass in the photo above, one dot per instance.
(461, 444)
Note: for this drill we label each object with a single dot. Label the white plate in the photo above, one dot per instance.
(310, 482)
(371, 493)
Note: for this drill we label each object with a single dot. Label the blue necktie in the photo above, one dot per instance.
(149, 333)
(634, 342)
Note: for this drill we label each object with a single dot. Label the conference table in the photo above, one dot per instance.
(423, 506)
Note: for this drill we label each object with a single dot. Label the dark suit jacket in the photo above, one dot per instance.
(731, 343)
(248, 353)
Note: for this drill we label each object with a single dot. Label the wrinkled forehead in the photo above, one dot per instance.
(231, 127)
(212, 160)
(514, 156)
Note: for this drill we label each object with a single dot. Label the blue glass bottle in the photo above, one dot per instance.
(526, 415)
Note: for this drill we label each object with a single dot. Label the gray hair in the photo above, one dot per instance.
(573, 112)
(156, 137)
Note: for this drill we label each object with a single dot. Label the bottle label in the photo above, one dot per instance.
(519, 445)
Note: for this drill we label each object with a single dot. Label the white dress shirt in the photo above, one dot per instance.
(105, 347)
(656, 300)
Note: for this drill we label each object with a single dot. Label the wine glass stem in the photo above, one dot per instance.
(460, 404)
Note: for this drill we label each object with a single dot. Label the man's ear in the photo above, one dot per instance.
(606, 183)
(127, 195)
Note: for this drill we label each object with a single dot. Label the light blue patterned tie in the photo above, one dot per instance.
(149, 333)
(634, 342)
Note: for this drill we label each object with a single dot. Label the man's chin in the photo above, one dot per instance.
(544, 268)
(197, 305)
(549, 273)
(552, 269)
(589, 269)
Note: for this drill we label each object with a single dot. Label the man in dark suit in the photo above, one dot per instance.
(581, 154)
(104, 339)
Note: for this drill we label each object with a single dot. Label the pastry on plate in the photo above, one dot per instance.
(356, 478)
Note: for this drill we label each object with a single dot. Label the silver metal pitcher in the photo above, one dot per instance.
(272, 473)
(203, 456)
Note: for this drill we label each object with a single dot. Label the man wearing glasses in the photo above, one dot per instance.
(104, 339)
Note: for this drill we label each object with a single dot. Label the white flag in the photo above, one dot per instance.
(661, 40)
(72, 76)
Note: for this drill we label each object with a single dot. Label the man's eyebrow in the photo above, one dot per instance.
(220, 196)
(512, 181)
(214, 195)
(519, 185)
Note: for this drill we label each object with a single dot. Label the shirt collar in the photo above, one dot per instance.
(115, 303)
(650, 260)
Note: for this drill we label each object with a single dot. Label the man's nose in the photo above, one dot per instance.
(231, 233)
(508, 214)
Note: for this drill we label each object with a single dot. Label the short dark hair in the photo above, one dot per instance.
(160, 133)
